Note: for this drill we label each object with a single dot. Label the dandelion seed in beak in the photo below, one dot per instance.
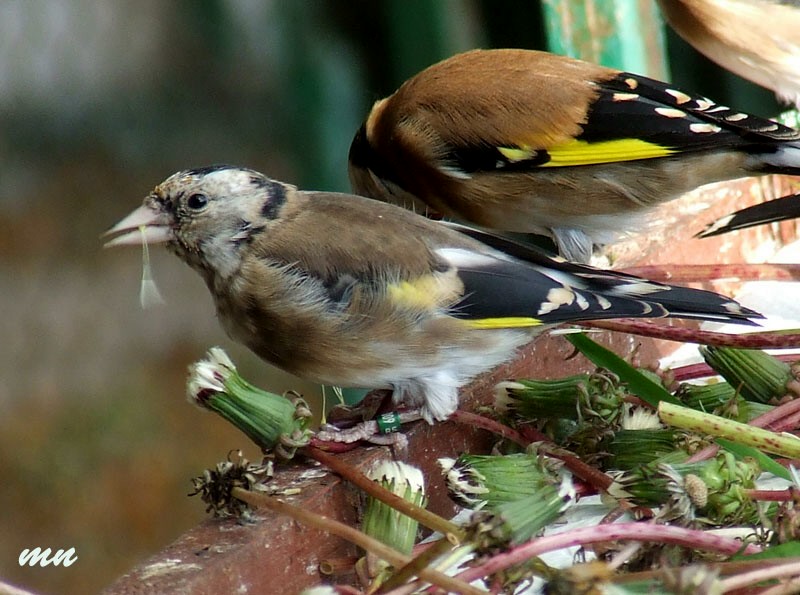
(149, 295)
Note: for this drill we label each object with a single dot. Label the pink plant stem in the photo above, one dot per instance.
(753, 577)
(703, 370)
(487, 423)
(703, 273)
(787, 424)
(692, 372)
(771, 495)
(791, 587)
(690, 538)
(766, 340)
(531, 434)
(704, 454)
(334, 447)
(594, 477)
(766, 420)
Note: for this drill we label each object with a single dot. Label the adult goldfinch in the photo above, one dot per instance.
(528, 141)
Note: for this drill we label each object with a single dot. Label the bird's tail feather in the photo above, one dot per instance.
(771, 211)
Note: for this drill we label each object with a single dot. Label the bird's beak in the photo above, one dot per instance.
(144, 225)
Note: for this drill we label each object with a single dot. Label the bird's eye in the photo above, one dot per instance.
(197, 201)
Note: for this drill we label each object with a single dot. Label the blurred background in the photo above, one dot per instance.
(99, 101)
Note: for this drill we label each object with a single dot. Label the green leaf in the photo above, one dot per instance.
(639, 384)
(767, 463)
(790, 549)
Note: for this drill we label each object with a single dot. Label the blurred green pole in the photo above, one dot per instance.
(321, 81)
(623, 34)
(422, 32)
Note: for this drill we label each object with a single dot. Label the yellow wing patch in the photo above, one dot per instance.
(580, 152)
(426, 292)
(508, 322)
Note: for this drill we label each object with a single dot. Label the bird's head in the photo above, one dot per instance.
(205, 216)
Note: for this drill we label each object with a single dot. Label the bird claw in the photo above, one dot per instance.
(361, 431)
(372, 431)
(343, 416)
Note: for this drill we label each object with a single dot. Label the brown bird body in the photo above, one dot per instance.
(527, 141)
(351, 292)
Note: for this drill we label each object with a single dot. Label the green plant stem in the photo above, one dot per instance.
(719, 427)
(780, 414)
(690, 538)
(413, 568)
(374, 489)
(352, 535)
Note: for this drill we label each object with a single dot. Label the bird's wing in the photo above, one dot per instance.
(500, 291)
(630, 117)
(634, 106)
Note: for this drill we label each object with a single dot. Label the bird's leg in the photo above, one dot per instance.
(371, 420)
(374, 402)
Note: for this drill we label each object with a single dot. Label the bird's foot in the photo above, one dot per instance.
(374, 402)
(383, 430)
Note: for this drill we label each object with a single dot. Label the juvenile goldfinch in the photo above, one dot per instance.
(771, 211)
(527, 141)
(352, 292)
(756, 39)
